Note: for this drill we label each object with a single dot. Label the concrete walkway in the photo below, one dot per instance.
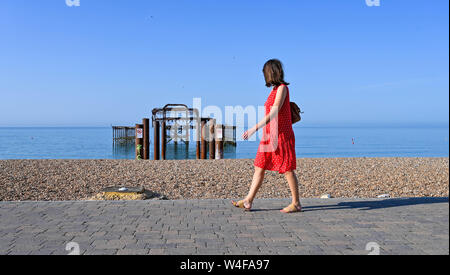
(328, 226)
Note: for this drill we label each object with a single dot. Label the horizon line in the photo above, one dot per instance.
(297, 125)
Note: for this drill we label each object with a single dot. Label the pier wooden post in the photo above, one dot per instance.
(219, 141)
(163, 140)
(197, 141)
(139, 141)
(146, 123)
(197, 152)
(223, 139)
(203, 140)
(211, 140)
(156, 140)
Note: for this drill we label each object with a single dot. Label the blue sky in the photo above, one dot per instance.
(111, 62)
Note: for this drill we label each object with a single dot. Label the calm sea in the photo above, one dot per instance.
(311, 142)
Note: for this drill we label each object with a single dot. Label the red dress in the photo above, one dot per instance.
(276, 151)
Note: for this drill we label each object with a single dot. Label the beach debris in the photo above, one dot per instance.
(383, 196)
(125, 194)
(105, 196)
(326, 196)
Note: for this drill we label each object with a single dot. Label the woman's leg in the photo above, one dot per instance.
(258, 178)
(293, 185)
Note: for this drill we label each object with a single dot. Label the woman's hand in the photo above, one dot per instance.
(247, 134)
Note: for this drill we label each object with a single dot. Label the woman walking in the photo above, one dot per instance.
(276, 151)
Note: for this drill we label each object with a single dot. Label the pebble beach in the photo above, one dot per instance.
(62, 180)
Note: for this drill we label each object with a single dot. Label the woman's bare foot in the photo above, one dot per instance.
(245, 204)
(292, 208)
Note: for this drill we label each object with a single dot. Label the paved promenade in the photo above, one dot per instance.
(328, 226)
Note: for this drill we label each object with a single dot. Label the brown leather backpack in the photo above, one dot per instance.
(295, 113)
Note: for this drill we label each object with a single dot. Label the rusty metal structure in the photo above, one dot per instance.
(174, 122)
(123, 134)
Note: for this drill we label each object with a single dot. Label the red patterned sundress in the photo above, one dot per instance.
(276, 151)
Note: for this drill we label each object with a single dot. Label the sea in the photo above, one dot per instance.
(312, 141)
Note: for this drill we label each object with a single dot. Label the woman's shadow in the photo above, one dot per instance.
(376, 204)
(369, 204)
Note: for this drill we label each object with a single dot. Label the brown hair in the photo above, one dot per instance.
(273, 73)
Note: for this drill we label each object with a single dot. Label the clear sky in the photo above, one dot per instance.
(112, 61)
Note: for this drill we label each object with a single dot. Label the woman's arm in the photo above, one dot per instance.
(278, 103)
